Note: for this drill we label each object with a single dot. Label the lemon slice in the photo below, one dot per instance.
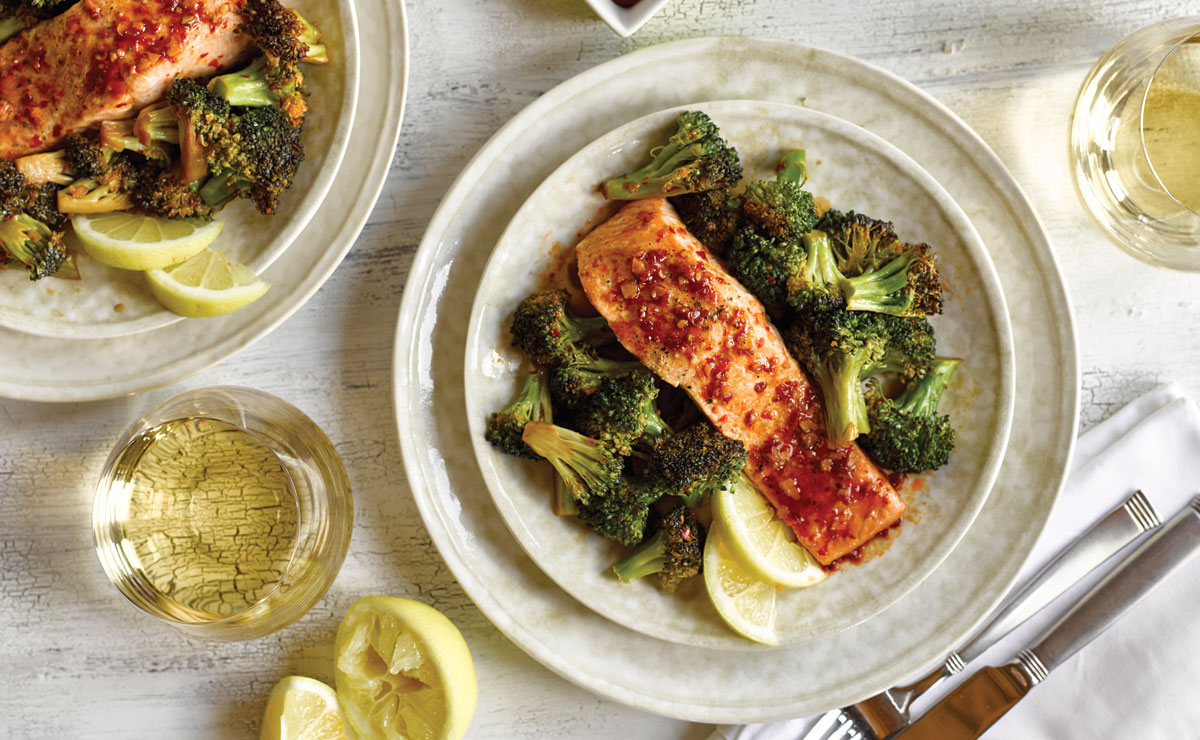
(133, 242)
(302, 708)
(403, 671)
(764, 544)
(744, 602)
(206, 285)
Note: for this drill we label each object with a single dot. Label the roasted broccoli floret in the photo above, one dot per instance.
(907, 434)
(694, 463)
(675, 552)
(548, 334)
(119, 136)
(816, 285)
(532, 403)
(910, 346)
(88, 159)
(282, 33)
(621, 411)
(570, 384)
(882, 273)
(166, 193)
(265, 82)
(840, 349)
(621, 513)
(112, 190)
(779, 208)
(712, 216)
(587, 466)
(764, 265)
(695, 158)
(256, 159)
(33, 244)
(17, 196)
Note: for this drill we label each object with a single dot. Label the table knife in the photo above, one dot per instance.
(888, 711)
(981, 700)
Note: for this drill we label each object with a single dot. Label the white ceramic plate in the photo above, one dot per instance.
(854, 170)
(577, 643)
(42, 368)
(109, 302)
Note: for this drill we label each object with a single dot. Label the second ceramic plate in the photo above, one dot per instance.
(854, 170)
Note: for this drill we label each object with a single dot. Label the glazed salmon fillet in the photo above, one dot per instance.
(673, 305)
(106, 59)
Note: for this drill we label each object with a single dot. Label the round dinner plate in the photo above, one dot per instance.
(625, 665)
(854, 170)
(47, 368)
(109, 302)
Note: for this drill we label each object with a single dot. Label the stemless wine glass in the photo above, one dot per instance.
(225, 512)
(1135, 143)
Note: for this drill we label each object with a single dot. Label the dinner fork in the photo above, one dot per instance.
(880, 716)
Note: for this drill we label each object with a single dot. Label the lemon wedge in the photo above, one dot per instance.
(763, 542)
(403, 671)
(745, 603)
(132, 242)
(206, 285)
(302, 708)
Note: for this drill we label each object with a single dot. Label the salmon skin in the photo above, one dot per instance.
(105, 59)
(673, 305)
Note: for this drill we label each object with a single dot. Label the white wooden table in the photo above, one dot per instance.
(79, 662)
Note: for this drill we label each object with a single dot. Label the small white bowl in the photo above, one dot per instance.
(626, 21)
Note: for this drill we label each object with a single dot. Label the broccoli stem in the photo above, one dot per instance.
(563, 503)
(655, 426)
(217, 192)
(793, 167)
(246, 88)
(649, 558)
(311, 36)
(820, 266)
(922, 398)
(11, 26)
(878, 291)
(845, 405)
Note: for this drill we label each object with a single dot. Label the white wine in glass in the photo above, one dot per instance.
(1135, 144)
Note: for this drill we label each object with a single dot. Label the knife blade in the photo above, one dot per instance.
(976, 704)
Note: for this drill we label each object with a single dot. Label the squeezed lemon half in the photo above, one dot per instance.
(403, 671)
(302, 708)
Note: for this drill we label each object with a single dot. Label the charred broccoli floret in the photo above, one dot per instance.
(695, 158)
(589, 467)
(883, 274)
(908, 435)
(570, 384)
(255, 159)
(33, 244)
(675, 552)
(764, 265)
(712, 216)
(621, 513)
(694, 463)
(842, 348)
(88, 159)
(620, 412)
(167, 194)
(112, 190)
(282, 33)
(532, 403)
(779, 208)
(548, 334)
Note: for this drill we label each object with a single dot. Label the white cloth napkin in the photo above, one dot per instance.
(1139, 679)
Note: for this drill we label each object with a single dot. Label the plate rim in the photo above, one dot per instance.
(255, 328)
(976, 252)
(422, 275)
(305, 210)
